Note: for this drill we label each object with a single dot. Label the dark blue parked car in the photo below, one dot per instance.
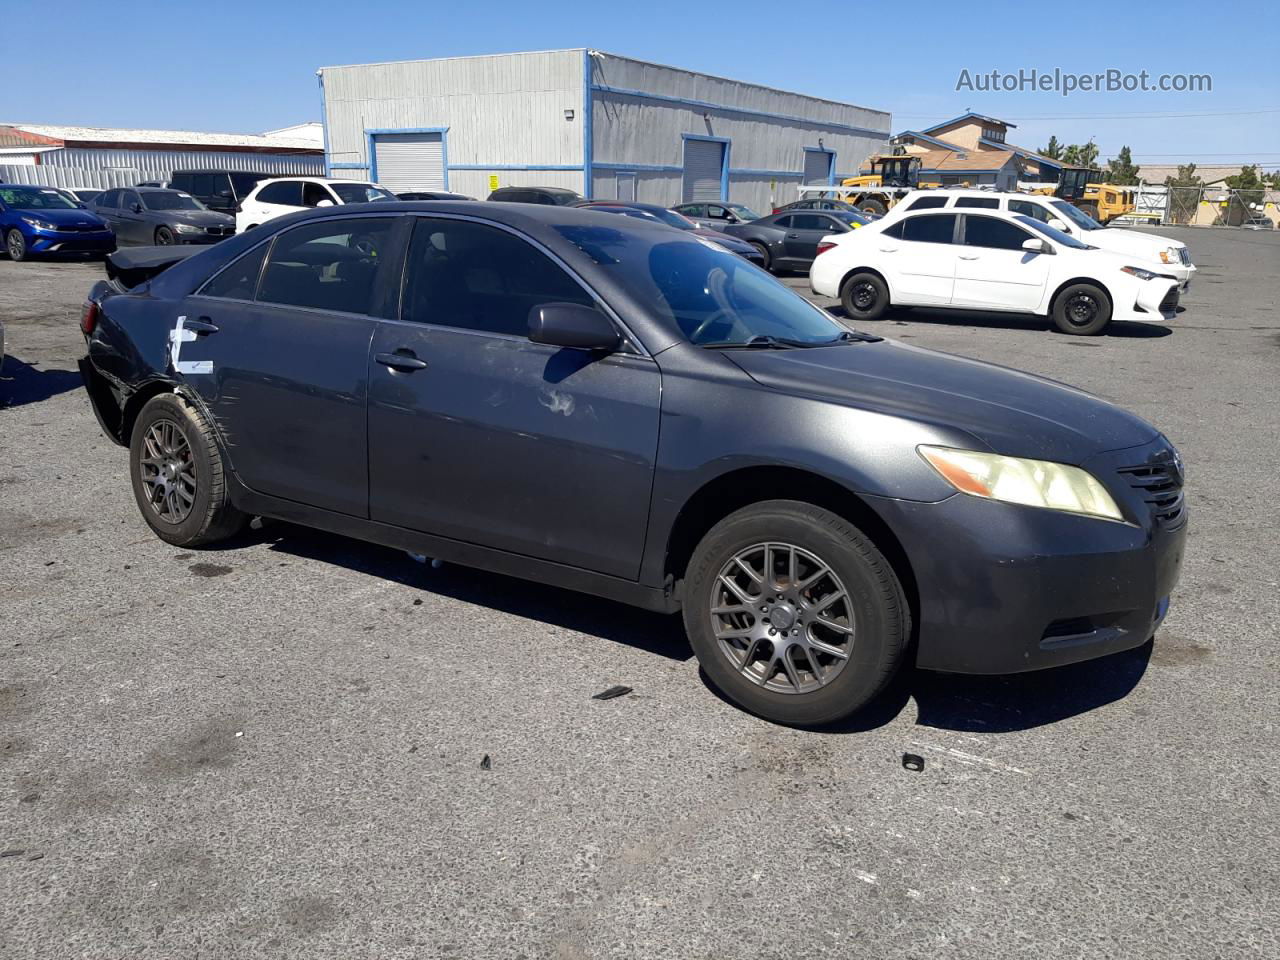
(36, 220)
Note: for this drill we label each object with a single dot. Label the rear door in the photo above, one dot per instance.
(277, 345)
(480, 435)
(922, 258)
(804, 232)
(992, 269)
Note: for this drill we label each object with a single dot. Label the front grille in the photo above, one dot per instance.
(1170, 301)
(1184, 254)
(220, 231)
(1161, 487)
(79, 228)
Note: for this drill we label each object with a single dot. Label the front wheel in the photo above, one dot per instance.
(178, 476)
(164, 236)
(766, 260)
(16, 244)
(1081, 309)
(864, 296)
(793, 613)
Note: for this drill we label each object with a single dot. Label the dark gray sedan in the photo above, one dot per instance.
(789, 241)
(157, 217)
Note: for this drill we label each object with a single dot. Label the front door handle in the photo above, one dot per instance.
(201, 326)
(793, 236)
(972, 257)
(888, 249)
(404, 362)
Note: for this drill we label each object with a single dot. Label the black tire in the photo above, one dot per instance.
(766, 258)
(164, 237)
(16, 245)
(872, 206)
(1081, 309)
(877, 610)
(864, 296)
(211, 516)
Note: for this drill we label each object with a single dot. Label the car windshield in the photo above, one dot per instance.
(1056, 235)
(171, 201)
(744, 213)
(713, 297)
(361, 192)
(35, 198)
(1076, 215)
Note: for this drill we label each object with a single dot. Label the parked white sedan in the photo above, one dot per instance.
(986, 259)
(1161, 254)
(275, 198)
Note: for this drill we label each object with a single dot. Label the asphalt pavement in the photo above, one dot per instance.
(275, 749)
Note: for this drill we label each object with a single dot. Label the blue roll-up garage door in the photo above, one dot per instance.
(817, 166)
(703, 168)
(409, 161)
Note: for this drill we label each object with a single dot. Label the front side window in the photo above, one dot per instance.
(925, 203)
(109, 200)
(482, 278)
(932, 228)
(129, 199)
(717, 213)
(1028, 209)
(361, 192)
(810, 221)
(1076, 216)
(171, 200)
(692, 210)
(743, 212)
(331, 265)
(994, 233)
(284, 192)
(313, 193)
(239, 280)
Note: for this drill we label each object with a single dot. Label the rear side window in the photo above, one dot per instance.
(331, 265)
(894, 232)
(926, 203)
(811, 221)
(784, 222)
(991, 232)
(110, 199)
(932, 228)
(238, 280)
(287, 192)
(986, 203)
(692, 210)
(467, 275)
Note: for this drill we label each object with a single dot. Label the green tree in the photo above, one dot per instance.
(1247, 191)
(1081, 154)
(1184, 194)
(1053, 150)
(1121, 170)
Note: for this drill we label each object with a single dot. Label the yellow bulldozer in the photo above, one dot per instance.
(1086, 189)
(891, 178)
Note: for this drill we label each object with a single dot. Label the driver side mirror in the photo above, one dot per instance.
(135, 207)
(324, 203)
(572, 325)
(1036, 245)
(1059, 225)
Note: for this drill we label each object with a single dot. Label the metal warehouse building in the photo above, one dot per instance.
(62, 156)
(604, 125)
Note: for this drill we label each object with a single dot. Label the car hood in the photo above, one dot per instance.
(724, 239)
(1013, 413)
(197, 218)
(1147, 246)
(72, 217)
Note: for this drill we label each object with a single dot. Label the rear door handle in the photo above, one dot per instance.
(973, 257)
(405, 362)
(888, 249)
(201, 326)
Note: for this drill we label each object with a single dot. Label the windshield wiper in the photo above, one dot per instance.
(857, 336)
(758, 342)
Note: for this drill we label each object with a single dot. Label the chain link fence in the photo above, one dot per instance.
(1210, 206)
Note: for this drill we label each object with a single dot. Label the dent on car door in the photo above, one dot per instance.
(478, 434)
(277, 346)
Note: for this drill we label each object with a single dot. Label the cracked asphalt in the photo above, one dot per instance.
(274, 750)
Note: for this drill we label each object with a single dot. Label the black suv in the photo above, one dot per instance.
(552, 196)
(220, 190)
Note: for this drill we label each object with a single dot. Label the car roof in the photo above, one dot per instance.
(156, 190)
(543, 189)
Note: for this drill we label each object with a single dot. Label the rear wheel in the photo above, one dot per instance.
(793, 613)
(864, 296)
(16, 244)
(766, 260)
(1081, 309)
(872, 206)
(178, 475)
(164, 236)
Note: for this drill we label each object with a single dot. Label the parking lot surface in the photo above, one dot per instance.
(275, 750)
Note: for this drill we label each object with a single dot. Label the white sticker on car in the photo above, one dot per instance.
(177, 337)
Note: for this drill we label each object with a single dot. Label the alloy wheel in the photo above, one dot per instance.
(782, 617)
(16, 244)
(167, 471)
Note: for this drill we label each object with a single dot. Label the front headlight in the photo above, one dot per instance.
(187, 228)
(1139, 272)
(40, 224)
(1168, 255)
(1032, 483)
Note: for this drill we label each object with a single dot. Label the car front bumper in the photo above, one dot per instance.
(1155, 301)
(1006, 589)
(71, 241)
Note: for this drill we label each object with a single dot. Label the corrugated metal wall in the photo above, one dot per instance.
(501, 112)
(92, 167)
(768, 130)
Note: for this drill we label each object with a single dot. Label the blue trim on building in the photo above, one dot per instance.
(641, 167)
(724, 159)
(324, 125)
(740, 111)
(831, 163)
(348, 166)
(513, 166)
(588, 119)
(751, 172)
(372, 132)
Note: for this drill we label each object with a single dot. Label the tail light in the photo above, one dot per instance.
(88, 317)
(825, 245)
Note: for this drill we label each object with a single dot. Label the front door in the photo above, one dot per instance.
(278, 352)
(131, 225)
(992, 269)
(480, 435)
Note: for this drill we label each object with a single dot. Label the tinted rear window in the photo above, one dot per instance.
(925, 203)
(986, 203)
(932, 228)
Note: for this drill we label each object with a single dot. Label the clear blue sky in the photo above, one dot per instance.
(247, 67)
